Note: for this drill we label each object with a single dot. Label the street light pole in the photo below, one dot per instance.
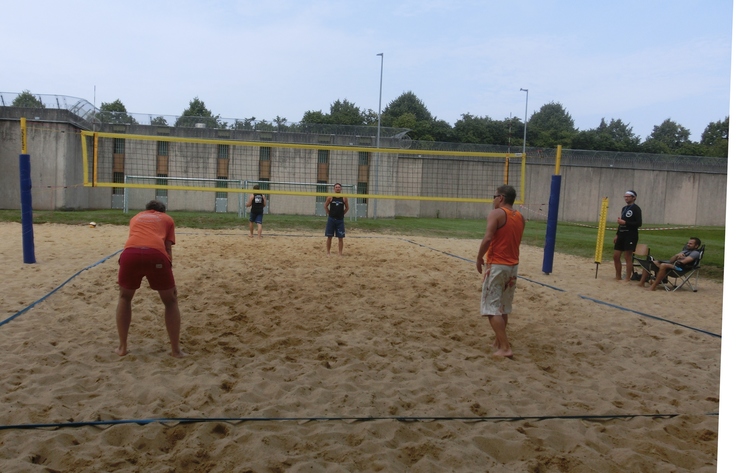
(378, 141)
(526, 107)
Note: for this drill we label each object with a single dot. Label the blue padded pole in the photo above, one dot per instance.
(26, 209)
(549, 240)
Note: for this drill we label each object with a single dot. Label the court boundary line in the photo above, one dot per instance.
(33, 304)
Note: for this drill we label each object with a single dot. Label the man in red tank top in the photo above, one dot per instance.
(498, 262)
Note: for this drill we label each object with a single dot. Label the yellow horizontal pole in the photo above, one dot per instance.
(296, 193)
(270, 144)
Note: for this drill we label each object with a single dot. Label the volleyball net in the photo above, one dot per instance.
(295, 177)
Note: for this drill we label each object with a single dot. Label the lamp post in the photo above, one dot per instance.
(526, 107)
(378, 141)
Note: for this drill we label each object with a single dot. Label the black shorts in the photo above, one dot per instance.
(626, 241)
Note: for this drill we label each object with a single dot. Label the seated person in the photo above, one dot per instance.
(681, 262)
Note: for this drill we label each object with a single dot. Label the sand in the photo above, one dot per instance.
(376, 361)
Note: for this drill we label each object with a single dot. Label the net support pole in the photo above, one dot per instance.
(26, 204)
(554, 205)
(601, 234)
(26, 209)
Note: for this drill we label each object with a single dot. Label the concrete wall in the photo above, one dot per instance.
(665, 196)
(56, 181)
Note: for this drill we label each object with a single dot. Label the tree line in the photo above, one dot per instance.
(546, 128)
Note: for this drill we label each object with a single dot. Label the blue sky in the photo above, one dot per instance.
(638, 61)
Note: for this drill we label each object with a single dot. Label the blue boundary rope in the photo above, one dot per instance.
(200, 420)
(650, 316)
(23, 311)
(584, 297)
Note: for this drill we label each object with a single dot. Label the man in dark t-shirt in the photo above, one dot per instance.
(627, 235)
(256, 202)
(336, 208)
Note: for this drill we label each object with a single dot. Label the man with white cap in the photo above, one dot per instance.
(627, 235)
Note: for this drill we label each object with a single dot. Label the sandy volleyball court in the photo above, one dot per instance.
(382, 349)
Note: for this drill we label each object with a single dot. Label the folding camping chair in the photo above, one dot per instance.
(641, 253)
(674, 279)
(646, 263)
(677, 279)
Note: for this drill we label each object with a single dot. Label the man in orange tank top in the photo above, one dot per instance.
(148, 253)
(498, 262)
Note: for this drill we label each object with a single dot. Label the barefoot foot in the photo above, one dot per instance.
(178, 354)
(504, 353)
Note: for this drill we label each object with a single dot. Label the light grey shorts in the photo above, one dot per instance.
(499, 285)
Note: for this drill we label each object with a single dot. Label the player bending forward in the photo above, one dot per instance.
(148, 253)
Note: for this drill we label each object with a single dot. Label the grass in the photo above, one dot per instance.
(574, 238)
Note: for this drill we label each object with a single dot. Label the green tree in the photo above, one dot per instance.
(264, 125)
(198, 113)
(403, 104)
(342, 112)
(670, 137)
(472, 129)
(715, 138)
(443, 131)
(280, 123)
(692, 149)
(407, 120)
(485, 130)
(621, 134)
(551, 126)
(316, 117)
(115, 112)
(370, 117)
(244, 124)
(159, 121)
(346, 113)
(27, 100)
(423, 125)
(613, 136)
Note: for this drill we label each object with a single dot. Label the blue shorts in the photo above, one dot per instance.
(335, 227)
(256, 218)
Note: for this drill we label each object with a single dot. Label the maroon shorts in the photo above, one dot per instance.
(138, 262)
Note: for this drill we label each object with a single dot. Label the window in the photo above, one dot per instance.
(223, 151)
(264, 164)
(221, 184)
(162, 167)
(118, 146)
(118, 177)
(223, 163)
(321, 198)
(323, 171)
(362, 189)
(162, 148)
(323, 156)
(118, 164)
(162, 182)
(364, 162)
